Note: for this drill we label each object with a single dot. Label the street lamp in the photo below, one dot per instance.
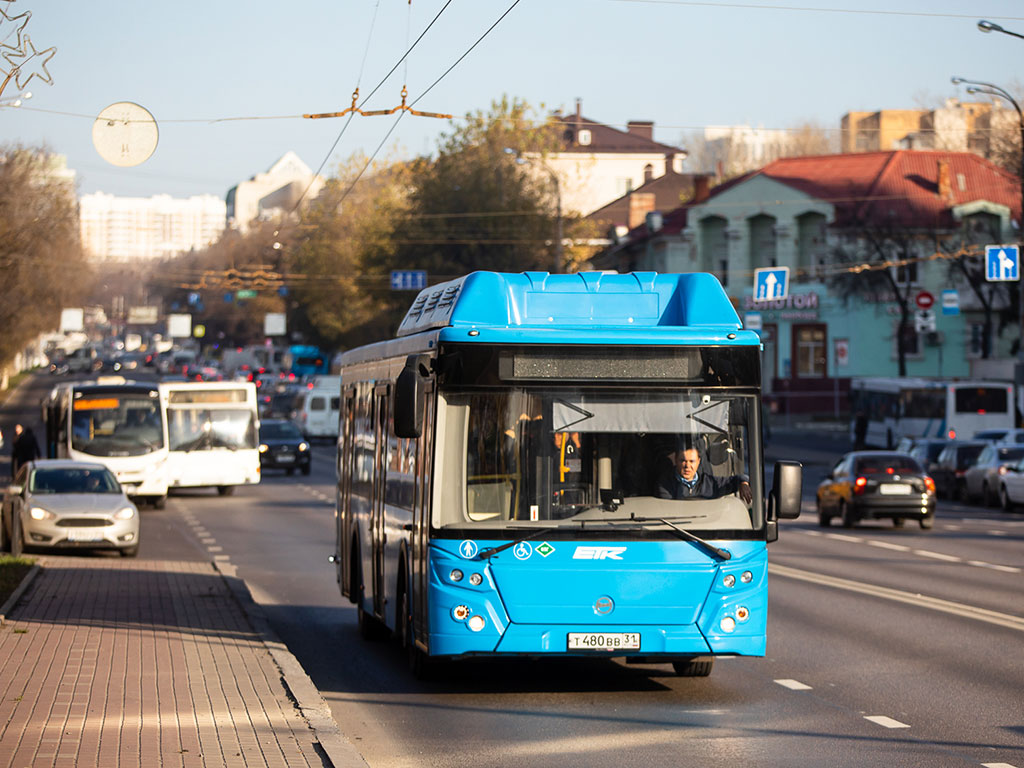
(978, 86)
(988, 26)
(520, 160)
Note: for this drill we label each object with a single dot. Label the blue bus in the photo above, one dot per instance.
(501, 465)
(306, 360)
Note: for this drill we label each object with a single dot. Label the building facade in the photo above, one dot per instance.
(273, 193)
(142, 229)
(914, 214)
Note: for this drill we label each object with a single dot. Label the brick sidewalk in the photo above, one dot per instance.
(111, 662)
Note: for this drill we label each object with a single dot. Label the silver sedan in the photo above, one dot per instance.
(68, 504)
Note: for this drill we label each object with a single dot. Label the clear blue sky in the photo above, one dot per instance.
(682, 64)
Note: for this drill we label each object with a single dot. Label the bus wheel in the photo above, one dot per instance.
(225, 490)
(419, 664)
(696, 667)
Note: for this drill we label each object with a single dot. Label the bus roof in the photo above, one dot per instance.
(526, 307)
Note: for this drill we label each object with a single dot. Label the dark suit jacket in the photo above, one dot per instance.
(671, 486)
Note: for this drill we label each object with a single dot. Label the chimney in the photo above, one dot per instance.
(648, 173)
(701, 187)
(945, 190)
(643, 129)
(640, 204)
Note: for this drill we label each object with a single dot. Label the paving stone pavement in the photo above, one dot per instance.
(113, 662)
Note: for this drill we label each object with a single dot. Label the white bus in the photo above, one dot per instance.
(909, 407)
(212, 434)
(114, 422)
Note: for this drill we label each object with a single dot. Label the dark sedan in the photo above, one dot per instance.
(282, 446)
(877, 485)
(951, 466)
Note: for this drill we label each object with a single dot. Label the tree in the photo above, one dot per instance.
(41, 257)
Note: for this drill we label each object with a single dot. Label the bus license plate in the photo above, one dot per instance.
(892, 489)
(604, 641)
(85, 534)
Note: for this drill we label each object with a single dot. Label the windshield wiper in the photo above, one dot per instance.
(721, 554)
(486, 554)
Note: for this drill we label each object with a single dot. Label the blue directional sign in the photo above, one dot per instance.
(1002, 262)
(408, 279)
(771, 283)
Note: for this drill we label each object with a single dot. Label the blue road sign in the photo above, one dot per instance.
(771, 283)
(1002, 262)
(408, 279)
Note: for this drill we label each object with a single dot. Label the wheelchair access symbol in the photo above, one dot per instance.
(523, 550)
(1002, 263)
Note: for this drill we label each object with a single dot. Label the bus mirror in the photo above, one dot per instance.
(409, 396)
(787, 488)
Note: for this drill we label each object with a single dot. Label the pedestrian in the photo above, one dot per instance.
(25, 448)
(860, 430)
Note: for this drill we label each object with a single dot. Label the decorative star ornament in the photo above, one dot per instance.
(19, 31)
(23, 77)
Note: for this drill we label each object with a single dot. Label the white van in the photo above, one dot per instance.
(317, 409)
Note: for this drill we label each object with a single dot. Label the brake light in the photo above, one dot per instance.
(981, 411)
(951, 434)
(890, 471)
(929, 484)
(859, 484)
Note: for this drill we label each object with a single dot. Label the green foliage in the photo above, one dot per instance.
(41, 258)
(12, 571)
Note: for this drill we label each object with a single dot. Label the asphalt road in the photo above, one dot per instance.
(896, 647)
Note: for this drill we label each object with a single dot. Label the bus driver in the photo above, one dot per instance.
(686, 481)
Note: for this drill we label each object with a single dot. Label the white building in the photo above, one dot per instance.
(733, 149)
(271, 194)
(141, 229)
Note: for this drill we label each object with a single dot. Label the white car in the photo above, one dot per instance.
(68, 504)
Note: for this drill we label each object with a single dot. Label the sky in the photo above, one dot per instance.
(228, 80)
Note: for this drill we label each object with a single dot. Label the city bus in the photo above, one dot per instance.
(305, 360)
(499, 465)
(892, 408)
(212, 434)
(115, 422)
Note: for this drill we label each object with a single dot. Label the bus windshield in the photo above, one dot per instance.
(116, 425)
(520, 456)
(205, 428)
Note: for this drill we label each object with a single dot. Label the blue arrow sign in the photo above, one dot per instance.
(1002, 262)
(771, 283)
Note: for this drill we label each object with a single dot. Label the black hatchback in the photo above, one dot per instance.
(877, 484)
(282, 446)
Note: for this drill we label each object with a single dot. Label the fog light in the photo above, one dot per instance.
(746, 577)
(455, 575)
(476, 623)
(728, 624)
(729, 580)
(476, 579)
(742, 614)
(460, 612)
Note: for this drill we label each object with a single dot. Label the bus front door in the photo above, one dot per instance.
(378, 538)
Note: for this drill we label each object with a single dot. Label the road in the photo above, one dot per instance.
(896, 647)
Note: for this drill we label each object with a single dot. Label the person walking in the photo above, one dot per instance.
(24, 449)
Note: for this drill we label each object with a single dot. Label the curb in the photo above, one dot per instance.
(311, 704)
(19, 591)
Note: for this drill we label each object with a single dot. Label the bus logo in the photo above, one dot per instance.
(604, 605)
(468, 549)
(523, 550)
(598, 553)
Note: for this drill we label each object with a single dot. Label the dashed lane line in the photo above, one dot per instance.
(888, 545)
(922, 601)
(885, 722)
(938, 556)
(793, 685)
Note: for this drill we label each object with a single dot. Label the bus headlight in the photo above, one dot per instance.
(476, 622)
(476, 579)
(729, 580)
(455, 575)
(728, 624)
(746, 577)
(38, 513)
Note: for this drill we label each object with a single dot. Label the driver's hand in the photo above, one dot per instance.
(745, 493)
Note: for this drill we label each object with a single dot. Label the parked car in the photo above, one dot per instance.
(1011, 487)
(282, 446)
(68, 504)
(981, 480)
(949, 469)
(925, 449)
(876, 485)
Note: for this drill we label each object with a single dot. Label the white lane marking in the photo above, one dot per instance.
(793, 685)
(922, 601)
(843, 537)
(994, 567)
(215, 549)
(885, 722)
(200, 531)
(221, 558)
(887, 545)
(208, 541)
(813, 533)
(938, 556)
(996, 533)
(997, 765)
